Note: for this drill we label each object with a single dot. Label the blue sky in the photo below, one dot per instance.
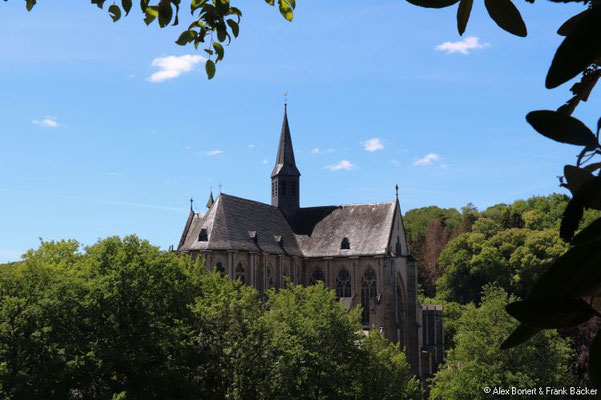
(92, 146)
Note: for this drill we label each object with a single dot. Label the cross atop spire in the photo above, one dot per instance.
(284, 162)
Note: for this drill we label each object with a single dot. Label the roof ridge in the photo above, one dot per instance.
(353, 204)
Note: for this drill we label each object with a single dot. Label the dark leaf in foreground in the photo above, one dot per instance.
(561, 128)
(463, 14)
(571, 23)
(594, 361)
(570, 220)
(521, 334)
(433, 3)
(551, 313)
(588, 234)
(507, 16)
(579, 49)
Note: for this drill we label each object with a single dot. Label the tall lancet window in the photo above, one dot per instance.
(369, 293)
(343, 284)
(240, 273)
(219, 268)
(283, 188)
(316, 276)
(268, 277)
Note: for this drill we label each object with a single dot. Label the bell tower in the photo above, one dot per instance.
(285, 177)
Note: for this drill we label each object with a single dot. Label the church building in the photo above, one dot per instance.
(357, 250)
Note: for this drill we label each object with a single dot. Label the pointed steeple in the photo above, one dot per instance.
(211, 200)
(284, 161)
(285, 177)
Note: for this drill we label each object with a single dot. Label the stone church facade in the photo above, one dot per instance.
(359, 251)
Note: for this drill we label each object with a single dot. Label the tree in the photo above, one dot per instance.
(512, 259)
(123, 320)
(386, 373)
(476, 363)
(312, 340)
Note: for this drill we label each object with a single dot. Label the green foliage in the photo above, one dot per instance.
(512, 259)
(476, 361)
(123, 320)
(209, 25)
(386, 374)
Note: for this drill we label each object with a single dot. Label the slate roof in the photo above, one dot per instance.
(234, 223)
(231, 224)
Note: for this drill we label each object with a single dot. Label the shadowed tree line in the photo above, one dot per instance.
(123, 320)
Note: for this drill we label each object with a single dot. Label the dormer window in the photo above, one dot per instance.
(345, 244)
(203, 236)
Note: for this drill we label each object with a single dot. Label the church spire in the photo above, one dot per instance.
(284, 161)
(211, 201)
(285, 177)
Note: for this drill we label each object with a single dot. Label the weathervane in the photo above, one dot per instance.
(220, 186)
(285, 98)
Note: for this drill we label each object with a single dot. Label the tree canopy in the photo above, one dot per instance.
(122, 319)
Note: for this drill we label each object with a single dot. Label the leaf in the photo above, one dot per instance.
(507, 16)
(115, 12)
(126, 4)
(576, 177)
(210, 68)
(186, 37)
(463, 14)
(576, 273)
(219, 50)
(165, 13)
(270, 2)
(551, 313)
(571, 23)
(99, 3)
(589, 234)
(570, 220)
(593, 167)
(594, 361)
(29, 4)
(561, 128)
(521, 334)
(151, 13)
(285, 9)
(234, 27)
(433, 3)
(578, 50)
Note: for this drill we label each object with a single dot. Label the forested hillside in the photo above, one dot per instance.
(499, 252)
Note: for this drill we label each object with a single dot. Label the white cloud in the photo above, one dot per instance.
(264, 161)
(373, 144)
(251, 146)
(214, 152)
(341, 165)
(315, 150)
(173, 66)
(462, 46)
(48, 122)
(427, 159)
(113, 174)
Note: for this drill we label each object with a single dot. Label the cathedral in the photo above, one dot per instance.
(357, 250)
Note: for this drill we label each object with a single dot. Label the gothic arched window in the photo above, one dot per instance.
(268, 277)
(283, 188)
(345, 244)
(369, 293)
(316, 276)
(285, 276)
(343, 284)
(400, 315)
(219, 268)
(240, 273)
